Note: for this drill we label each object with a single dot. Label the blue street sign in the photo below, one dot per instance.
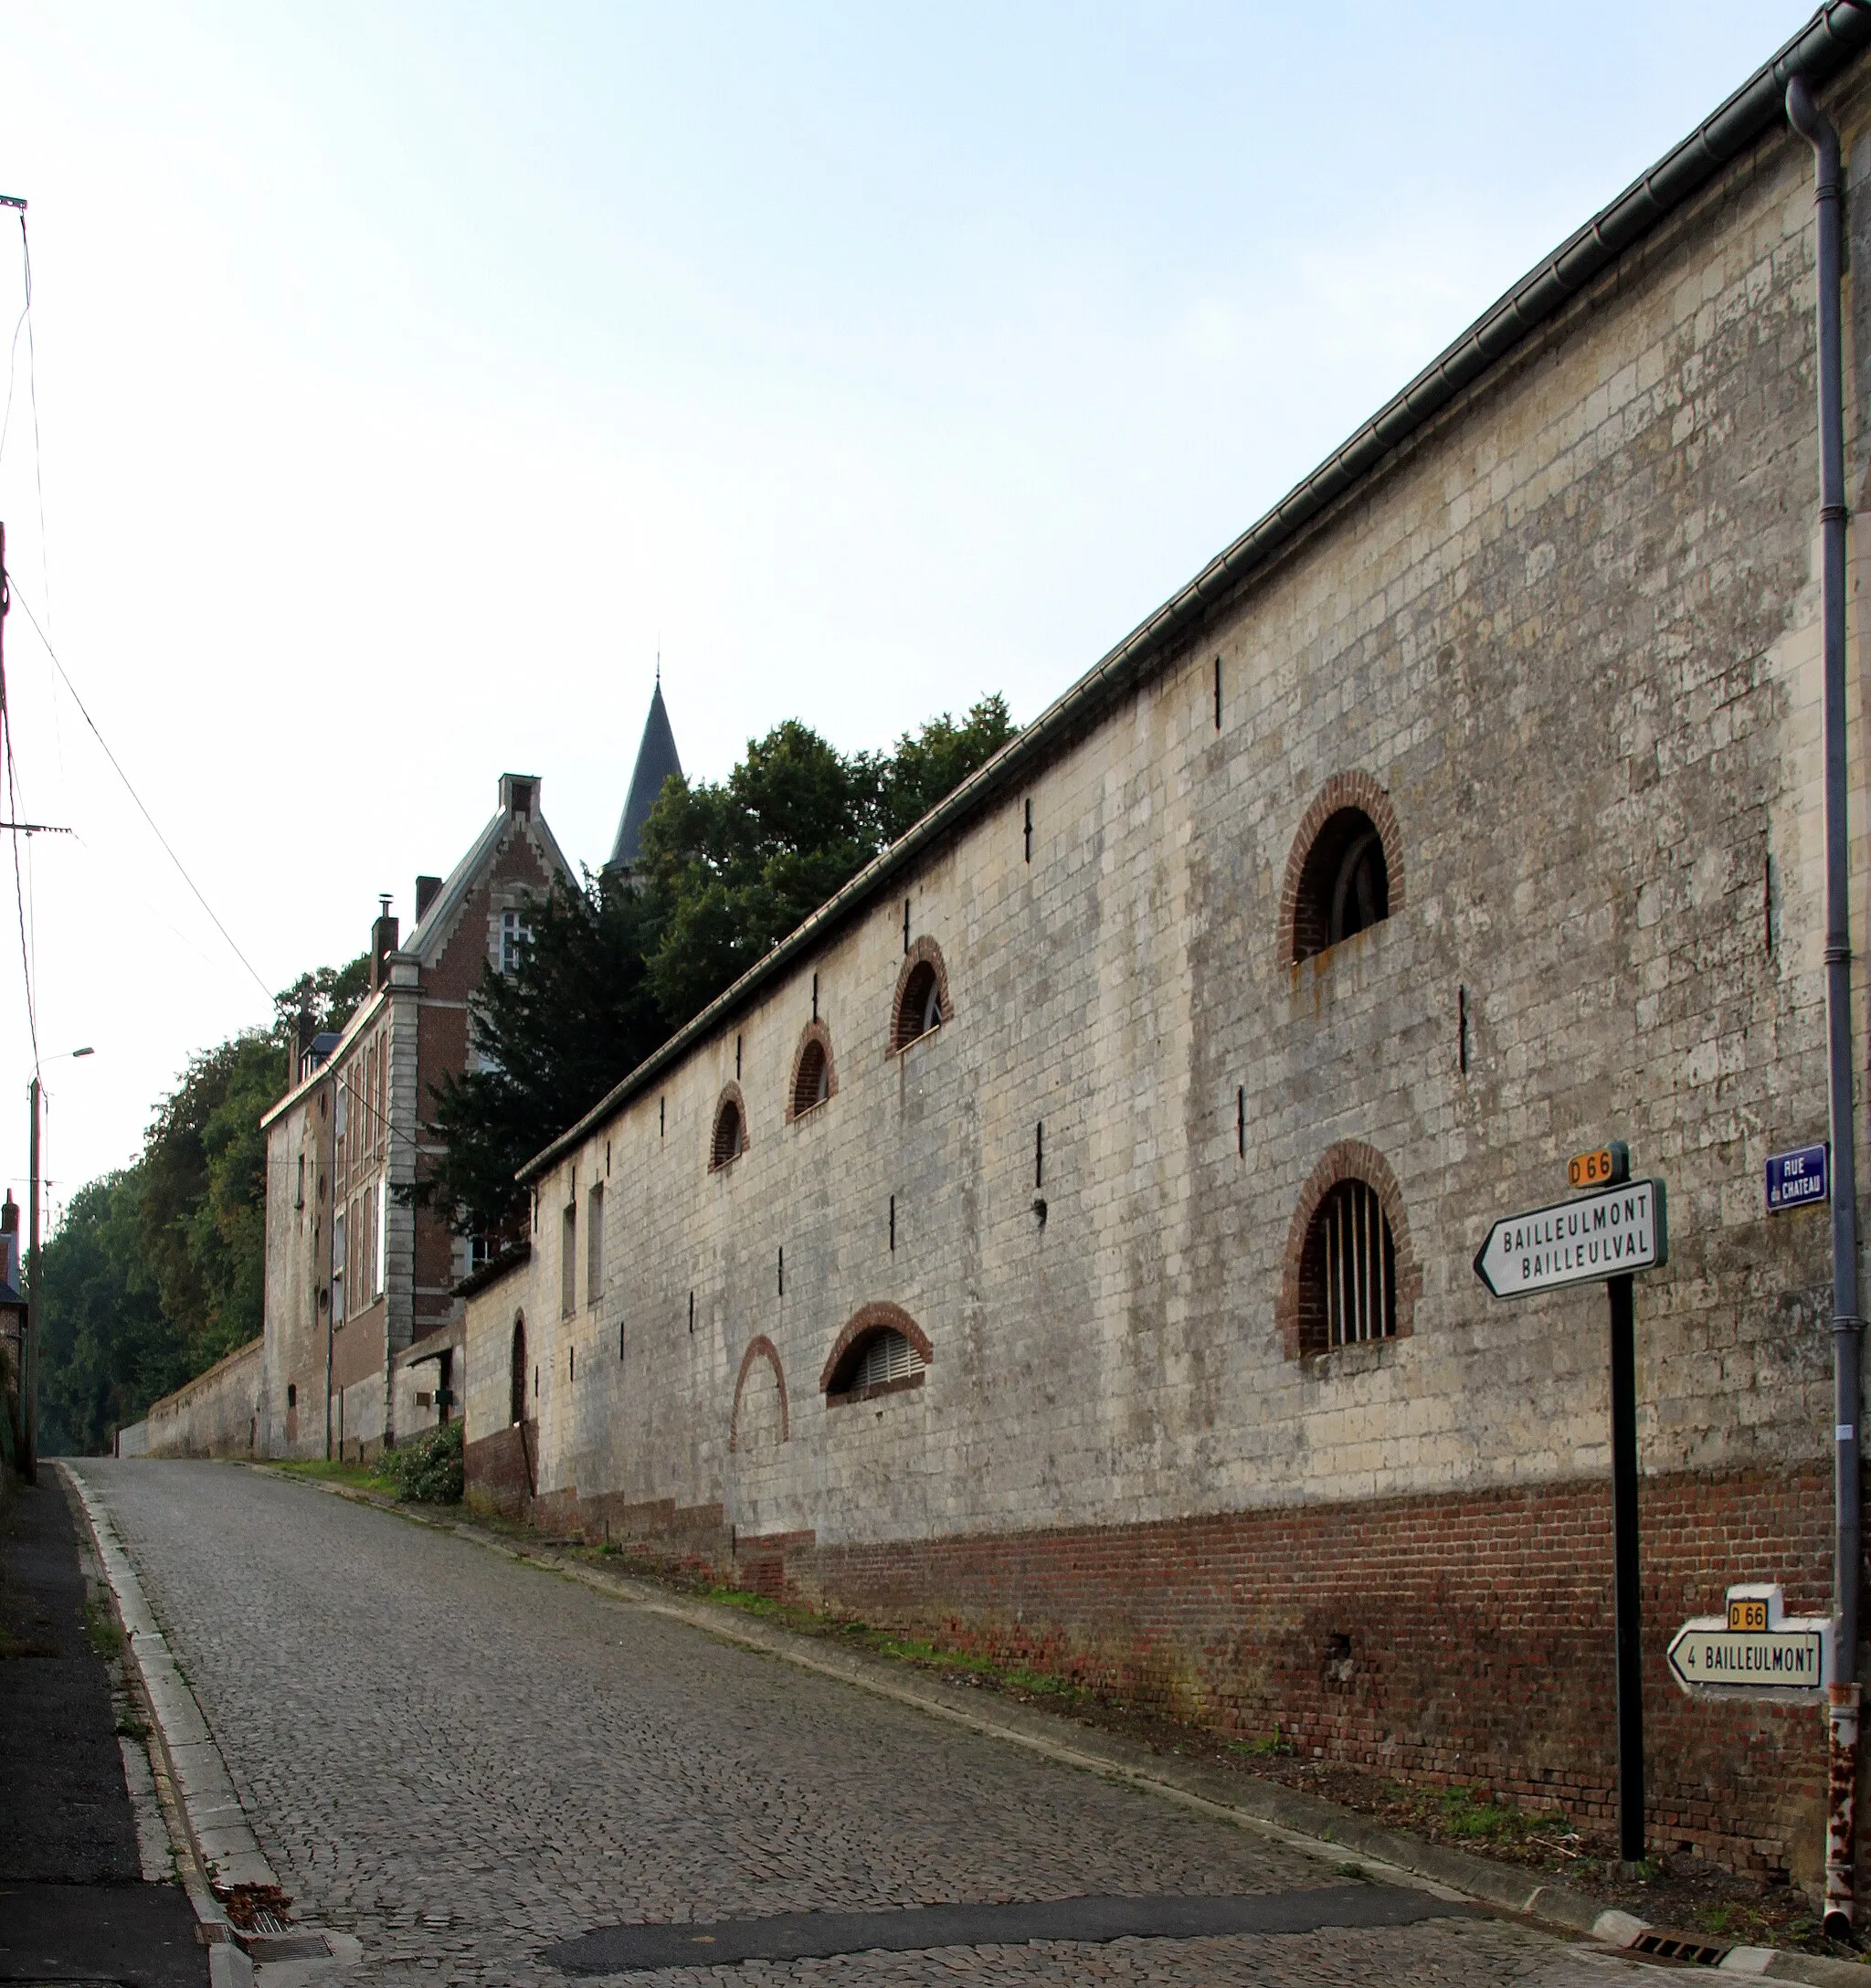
(1795, 1179)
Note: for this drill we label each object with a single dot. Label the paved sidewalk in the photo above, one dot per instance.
(466, 1761)
(73, 1901)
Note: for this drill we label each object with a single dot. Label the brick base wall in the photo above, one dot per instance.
(1461, 1638)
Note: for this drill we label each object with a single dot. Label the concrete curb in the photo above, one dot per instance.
(219, 1844)
(1307, 1822)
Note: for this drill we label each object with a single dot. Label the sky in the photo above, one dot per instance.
(400, 381)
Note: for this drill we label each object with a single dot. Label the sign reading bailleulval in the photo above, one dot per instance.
(1606, 1234)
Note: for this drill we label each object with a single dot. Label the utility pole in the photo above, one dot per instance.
(29, 1364)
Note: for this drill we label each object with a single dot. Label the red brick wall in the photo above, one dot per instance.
(1479, 1625)
(1479, 1628)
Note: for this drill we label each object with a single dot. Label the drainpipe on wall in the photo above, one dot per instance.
(1847, 1326)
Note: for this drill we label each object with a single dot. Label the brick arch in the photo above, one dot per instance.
(814, 1031)
(924, 952)
(759, 1348)
(730, 1094)
(1354, 789)
(1349, 1159)
(867, 1319)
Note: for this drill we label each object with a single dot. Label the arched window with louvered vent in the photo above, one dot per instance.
(880, 1351)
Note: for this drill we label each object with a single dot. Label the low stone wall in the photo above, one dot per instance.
(133, 1441)
(216, 1415)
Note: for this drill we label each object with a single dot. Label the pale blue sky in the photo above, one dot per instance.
(406, 376)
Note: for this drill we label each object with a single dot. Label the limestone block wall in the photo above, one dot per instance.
(216, 1415)
(1567, 645)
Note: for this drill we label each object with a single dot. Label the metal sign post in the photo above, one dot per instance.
(1613, 1231)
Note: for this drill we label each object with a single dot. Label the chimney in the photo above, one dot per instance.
(520, 794)
(425, 888)
(383, 942)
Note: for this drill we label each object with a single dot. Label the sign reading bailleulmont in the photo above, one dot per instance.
(1609, 1233)
(1755, 1651)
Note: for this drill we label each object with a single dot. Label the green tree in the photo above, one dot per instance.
(551, 1038)
(613, 967)
(204, 1194)
(928, 767)
(730, 870)
(106, 1349)
(320, 1001)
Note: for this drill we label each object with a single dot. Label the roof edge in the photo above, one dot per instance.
(1839, 29)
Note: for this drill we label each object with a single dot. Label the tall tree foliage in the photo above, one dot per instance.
(550, 1039)
(615, 966)
(106, 1349)
(730, 870)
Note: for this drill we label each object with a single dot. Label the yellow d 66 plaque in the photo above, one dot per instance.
(1746, 1614)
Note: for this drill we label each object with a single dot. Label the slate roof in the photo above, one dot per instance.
(656, 760)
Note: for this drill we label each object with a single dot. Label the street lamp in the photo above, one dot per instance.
(29, 1341)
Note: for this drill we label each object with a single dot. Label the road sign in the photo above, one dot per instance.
(1755, 1651)
(1609, 1233)
(1795, 1179)
(1600, 1167)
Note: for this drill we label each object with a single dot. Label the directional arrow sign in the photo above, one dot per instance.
(1607, 1234)
(1753, 1652)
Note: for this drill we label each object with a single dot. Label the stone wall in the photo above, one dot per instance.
(216, 1415)
(1566, 645)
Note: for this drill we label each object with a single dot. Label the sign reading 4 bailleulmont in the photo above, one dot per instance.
(1609, 1233)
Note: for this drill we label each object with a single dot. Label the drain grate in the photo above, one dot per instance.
(1678, 1947)
(265, 1921)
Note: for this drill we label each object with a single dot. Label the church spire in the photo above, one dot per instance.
(656, 760)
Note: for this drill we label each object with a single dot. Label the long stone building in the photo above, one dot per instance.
(1062, 1243)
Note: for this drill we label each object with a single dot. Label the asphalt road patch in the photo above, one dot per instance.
(803, 1935)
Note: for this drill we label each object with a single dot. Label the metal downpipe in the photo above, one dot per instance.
(1847, 1326)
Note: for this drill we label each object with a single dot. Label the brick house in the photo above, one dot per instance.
(1062, 1245)
(358, 1286)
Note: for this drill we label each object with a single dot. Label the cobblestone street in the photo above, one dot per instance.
(464, 1762)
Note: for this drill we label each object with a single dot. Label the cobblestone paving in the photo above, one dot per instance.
(462, 1760)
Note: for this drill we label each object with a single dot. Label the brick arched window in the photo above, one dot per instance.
(1350, 1275)
(922, 995)
(1345, 871)
(729, 1138)
(516, 1375)
(814, 1078)
(882, 1351)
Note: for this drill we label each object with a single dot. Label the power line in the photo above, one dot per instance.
(129, 789)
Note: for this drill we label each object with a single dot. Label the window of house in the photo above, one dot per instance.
(730, 1140)
(298, 1198)
(593, 1244)
(568, 1260)
(517, 1384)
(919, 1010)
(344, 1117)
(812, 1080)
(291, 1395)
(379, 1240)
(339, 1225)
(514, 935)
(1345, 886)
(1349, 1272)
(886, 1356)
(883, 1350)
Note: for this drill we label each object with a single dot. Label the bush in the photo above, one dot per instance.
(429, 1468)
